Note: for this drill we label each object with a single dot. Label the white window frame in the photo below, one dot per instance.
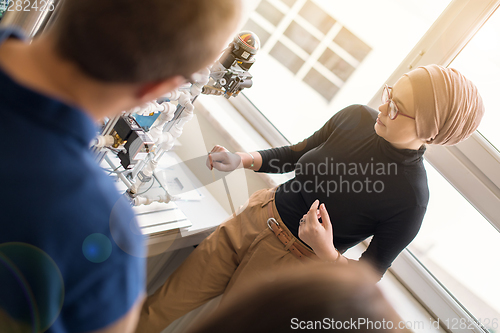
(471, 166)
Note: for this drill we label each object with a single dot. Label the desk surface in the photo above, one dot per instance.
(199, 206)
(179, 223)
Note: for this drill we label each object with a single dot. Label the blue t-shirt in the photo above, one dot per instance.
(71, 253)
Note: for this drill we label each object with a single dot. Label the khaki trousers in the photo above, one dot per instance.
(240, 250)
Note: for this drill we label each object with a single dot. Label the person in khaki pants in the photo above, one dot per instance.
(429, 105)
(238, 252)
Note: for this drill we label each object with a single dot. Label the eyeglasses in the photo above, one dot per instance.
(392, 109)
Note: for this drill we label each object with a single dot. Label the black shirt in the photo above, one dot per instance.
(369, 187)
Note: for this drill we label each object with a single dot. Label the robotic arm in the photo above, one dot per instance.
(140, 136)
(229, 75)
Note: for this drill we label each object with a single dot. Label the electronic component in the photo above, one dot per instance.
(229, 75)
(137, 143)
(140, 136)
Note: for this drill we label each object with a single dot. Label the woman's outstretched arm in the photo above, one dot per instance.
(279, 159)
(251, 160)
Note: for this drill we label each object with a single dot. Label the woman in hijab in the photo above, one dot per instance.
(360, 175)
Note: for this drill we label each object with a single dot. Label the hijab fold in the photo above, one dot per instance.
(448, 107)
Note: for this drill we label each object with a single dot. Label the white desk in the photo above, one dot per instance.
(180, 223)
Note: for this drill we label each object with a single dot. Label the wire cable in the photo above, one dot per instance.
(150, 186)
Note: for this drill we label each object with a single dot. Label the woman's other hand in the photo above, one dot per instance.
(223, 160)
(319, 236)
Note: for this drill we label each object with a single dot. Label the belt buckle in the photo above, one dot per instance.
(272, 219)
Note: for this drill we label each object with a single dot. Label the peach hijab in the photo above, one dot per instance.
(448, 107)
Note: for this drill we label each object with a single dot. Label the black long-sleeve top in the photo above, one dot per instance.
(369, 187)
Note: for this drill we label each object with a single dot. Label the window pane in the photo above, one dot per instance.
(269, 12)
(301, 37)
(352, 44)
(317, 17)
(480, 62)
(289, 3)
(336, 64)
(461, 249)
(325, 55)
(321, 84)
(286, 57)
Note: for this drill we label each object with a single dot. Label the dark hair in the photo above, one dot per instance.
(307, 293)
(136, 41)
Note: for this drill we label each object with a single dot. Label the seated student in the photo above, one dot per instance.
(61, 269)
(312, 298)
(367, 178)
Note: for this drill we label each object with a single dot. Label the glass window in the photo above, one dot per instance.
(461, 249)
(289, 3)
(319, 56)
(321, 84)
(479, 61)
(317, 16)
(352, 44)
(269, 12)
(286, 57)
(301, 37)
(456, 243)
(336, 64)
